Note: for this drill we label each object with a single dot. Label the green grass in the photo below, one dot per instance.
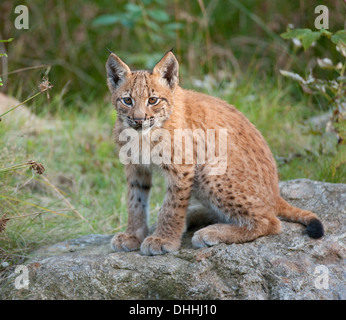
(79, 155)
(78, 152)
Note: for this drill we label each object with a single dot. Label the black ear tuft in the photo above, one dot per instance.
(315, 229)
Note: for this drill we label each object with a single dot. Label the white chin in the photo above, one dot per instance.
(147, 129)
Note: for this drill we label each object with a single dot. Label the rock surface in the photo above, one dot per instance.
(22, 119)
(22, 114)
(285, 266)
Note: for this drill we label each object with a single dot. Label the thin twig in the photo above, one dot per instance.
(25, 69)
(32, 97)
(44, 86)
(15, 167)
(34, 205)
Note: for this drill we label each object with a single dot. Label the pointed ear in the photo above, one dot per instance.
(117, 71)
(168, 70)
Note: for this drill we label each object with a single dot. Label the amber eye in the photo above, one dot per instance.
(152, 100)
(127, 101)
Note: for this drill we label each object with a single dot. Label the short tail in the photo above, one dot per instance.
(314, 227)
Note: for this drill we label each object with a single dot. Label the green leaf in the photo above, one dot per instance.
(309, 38)
(174, 26)
(295, 33)
(3, 55)
(133, 8)
(106, 19)
(129, 19)
(326, 33)
(306, 36)
(339, 37)
(8, 40)
(158, 15)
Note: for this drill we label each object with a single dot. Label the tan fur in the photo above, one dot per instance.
(245, 200)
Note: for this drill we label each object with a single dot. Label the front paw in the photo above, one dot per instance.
(125, 242)
(154, 245)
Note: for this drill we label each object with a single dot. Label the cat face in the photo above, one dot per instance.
(143, 99)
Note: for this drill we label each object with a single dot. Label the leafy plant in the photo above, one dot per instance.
(148, 22)
(152, 18)
(334, 91)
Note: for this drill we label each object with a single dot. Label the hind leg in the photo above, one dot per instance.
(250, 229)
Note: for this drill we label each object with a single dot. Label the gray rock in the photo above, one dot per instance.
(285, 266)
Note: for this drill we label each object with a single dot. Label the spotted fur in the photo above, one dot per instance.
(242, 204)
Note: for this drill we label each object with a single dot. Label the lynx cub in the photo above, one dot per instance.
(243, 202)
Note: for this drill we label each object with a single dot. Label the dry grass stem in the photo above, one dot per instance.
(45, 85)
(60, 195)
